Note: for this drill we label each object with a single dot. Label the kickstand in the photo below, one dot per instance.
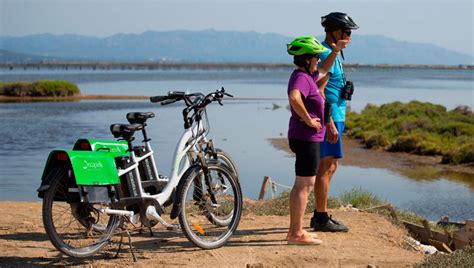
(129, 242)
(151, 232)
(149, 228)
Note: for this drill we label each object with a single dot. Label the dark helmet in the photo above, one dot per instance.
(337, 20)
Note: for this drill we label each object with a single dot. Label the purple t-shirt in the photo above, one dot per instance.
(314, 104)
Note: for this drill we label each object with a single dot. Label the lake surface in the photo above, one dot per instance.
(241, 127)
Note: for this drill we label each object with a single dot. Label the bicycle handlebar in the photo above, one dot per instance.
(196, 102)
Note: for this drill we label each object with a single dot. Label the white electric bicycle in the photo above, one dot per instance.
(100, 185)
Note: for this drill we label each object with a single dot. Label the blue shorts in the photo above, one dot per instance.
(334, 150)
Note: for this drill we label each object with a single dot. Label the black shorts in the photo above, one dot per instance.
(307, 157)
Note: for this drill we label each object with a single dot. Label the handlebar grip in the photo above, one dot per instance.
(165, 102)
(158, 98)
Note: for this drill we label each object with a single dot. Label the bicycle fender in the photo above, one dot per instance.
(176, 201)
(55, 165)
(87, 167)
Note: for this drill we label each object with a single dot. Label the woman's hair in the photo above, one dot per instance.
(300, 60)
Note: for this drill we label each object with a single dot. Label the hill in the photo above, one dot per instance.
(212, 46)
(8, 56)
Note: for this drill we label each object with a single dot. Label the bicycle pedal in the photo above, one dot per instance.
(173, 227)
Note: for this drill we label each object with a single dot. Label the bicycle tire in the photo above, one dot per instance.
(63, 227)
(196, 204)
(223, 157)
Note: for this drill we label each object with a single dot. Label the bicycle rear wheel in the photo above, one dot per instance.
(215, 192)
(223, 157)
(77, 230)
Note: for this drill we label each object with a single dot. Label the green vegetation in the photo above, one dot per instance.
(42, 88)
(416, 127)
(459, 258)
(361, 199)
(280, 205)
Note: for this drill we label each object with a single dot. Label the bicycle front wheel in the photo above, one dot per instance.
(77, 230)
(213, 192)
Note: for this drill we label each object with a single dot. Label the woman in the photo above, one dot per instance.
(306, 127)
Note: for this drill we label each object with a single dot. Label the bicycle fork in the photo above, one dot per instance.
(198, 189)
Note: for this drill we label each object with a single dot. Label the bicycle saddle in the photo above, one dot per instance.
(125, 131)
(139, 117)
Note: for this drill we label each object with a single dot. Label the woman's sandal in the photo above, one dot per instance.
(305, 239)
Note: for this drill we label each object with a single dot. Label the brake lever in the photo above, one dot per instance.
(227, 94)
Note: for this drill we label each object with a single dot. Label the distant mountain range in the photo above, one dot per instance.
(211, 46)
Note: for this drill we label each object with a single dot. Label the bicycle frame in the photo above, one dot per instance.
(184, 152)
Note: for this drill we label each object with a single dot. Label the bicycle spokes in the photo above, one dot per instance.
(209, 220)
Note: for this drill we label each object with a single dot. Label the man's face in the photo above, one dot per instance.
(345, 34)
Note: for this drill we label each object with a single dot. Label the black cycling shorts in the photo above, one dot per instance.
(307, 157)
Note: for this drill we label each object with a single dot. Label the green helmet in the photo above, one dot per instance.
(305, 45)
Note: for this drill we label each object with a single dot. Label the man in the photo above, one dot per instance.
(338, 26)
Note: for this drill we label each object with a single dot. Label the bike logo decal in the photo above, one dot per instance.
(92, 165)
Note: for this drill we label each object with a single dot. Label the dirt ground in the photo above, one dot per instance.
(258, 242)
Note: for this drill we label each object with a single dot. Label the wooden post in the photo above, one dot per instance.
(265, 182)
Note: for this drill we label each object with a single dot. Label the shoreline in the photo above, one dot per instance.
(69, 98)
(406, 164)
(102, 97)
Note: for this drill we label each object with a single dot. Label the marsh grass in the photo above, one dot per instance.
(42, 88)
(459, 258)
(280, 205)
(360, 198)
(416, 127)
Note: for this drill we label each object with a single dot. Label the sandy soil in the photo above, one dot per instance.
(259, 242)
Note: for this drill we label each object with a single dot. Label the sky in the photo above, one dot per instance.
(446, 23)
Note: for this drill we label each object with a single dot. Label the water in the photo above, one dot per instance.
(241, 127)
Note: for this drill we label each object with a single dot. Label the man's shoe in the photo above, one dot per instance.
(312, 222)
(330, 226)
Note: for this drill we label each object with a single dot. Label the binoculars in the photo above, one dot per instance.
(347, 91)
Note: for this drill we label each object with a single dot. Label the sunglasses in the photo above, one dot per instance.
(348, 33)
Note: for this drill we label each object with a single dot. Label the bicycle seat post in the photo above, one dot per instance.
(145, 136)
(140, 118)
